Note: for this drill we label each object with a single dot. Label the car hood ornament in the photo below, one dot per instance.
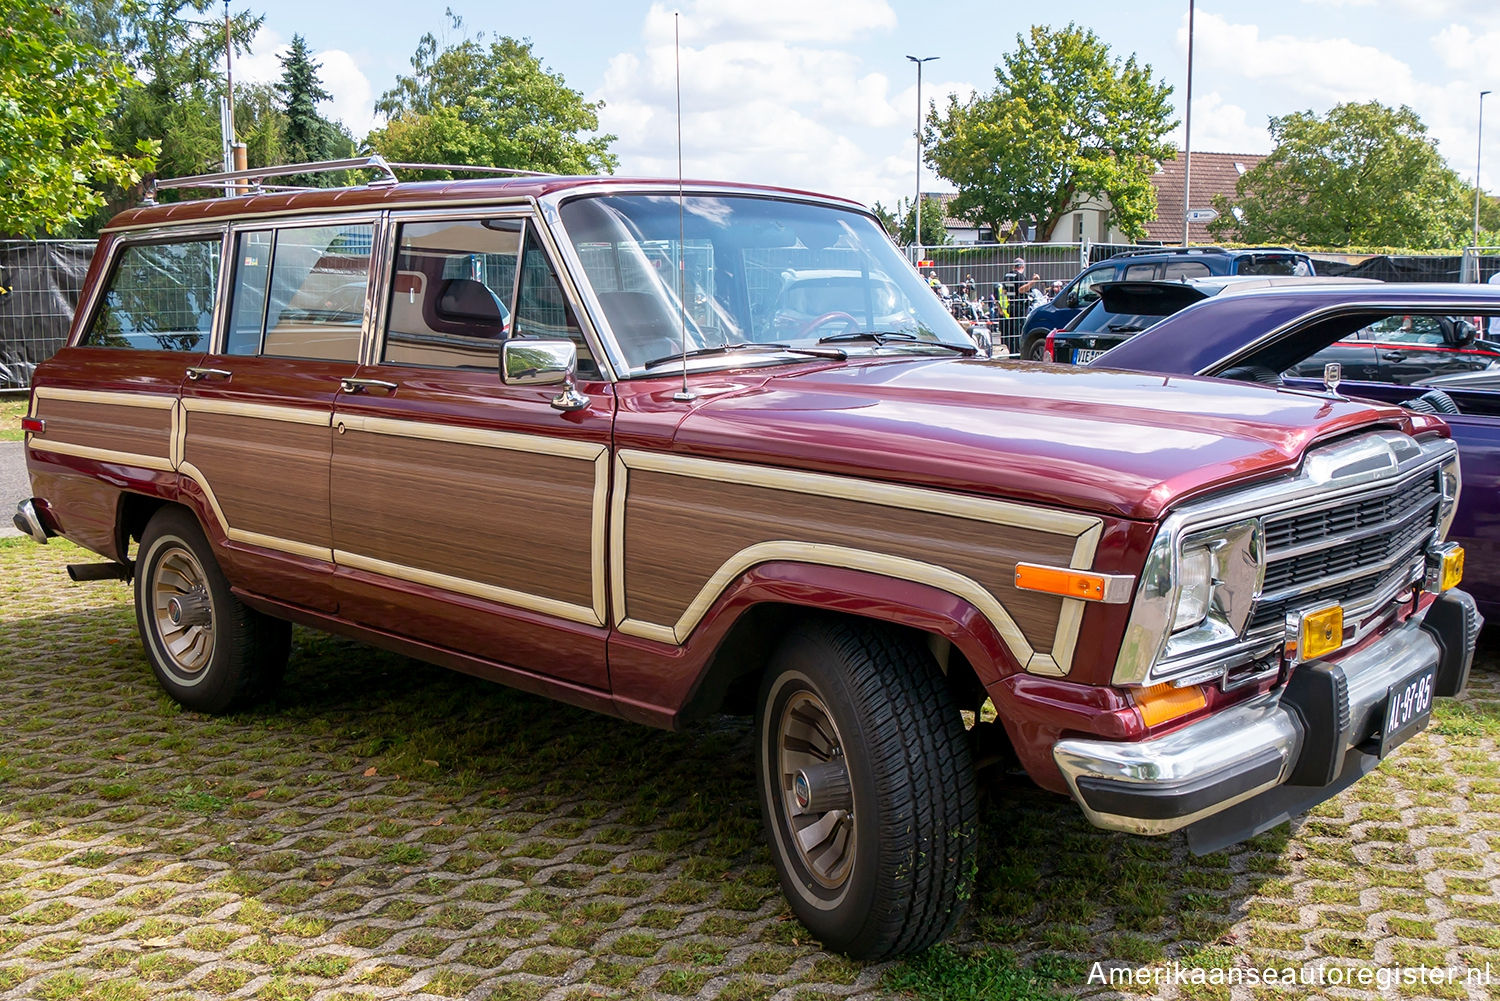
(1333, 374)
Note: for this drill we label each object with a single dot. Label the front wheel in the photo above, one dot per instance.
(867, 789)
(208, 650)
(1036, 349)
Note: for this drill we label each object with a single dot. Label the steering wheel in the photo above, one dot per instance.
(825, 319)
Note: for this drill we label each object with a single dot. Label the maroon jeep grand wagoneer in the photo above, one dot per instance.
(668, 455)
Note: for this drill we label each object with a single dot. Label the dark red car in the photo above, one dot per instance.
(566, 433)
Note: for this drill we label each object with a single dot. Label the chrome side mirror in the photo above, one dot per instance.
(529, 362)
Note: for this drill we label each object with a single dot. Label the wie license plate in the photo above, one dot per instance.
(1408, 707)
(1082, 356)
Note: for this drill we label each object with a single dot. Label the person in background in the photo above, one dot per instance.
(1016, 288)
(968, 284)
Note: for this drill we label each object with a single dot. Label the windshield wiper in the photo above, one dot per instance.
(724, 349)
(882, 337)
(1126, 328)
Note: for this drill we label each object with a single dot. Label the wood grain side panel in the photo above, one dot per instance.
(269, 477)
(679, 530)
(496, 516)
(119, 428)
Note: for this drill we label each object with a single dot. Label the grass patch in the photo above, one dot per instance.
(945, 974)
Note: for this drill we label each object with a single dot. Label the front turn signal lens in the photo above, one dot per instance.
(1105, 587)
(1453, 568)
(1163, 703)
(1316, 634)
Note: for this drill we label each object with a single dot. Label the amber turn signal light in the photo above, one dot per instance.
(1090, 586)
(1165, 702)
(1453, 568)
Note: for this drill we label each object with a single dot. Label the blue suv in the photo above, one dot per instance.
(1167, 263)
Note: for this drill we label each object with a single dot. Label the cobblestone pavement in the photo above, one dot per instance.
(386, 829)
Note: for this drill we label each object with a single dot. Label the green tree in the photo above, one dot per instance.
(902, 222)
(1362, 175)
(308, 136)
(176, 48)
(57, 95)
(1065, 124)
(489, 104)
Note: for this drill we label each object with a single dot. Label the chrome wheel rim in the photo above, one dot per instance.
(812, 776)
(182, 612)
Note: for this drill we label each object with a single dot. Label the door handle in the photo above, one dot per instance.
(359, 385)
(1394, 355)
(195, 373)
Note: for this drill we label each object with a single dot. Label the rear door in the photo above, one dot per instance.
(108, 403)
(468, 514)
(258, 409)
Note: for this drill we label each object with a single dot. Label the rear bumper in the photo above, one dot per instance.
(1255, 765)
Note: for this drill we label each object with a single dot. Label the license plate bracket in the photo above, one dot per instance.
(1407, 709)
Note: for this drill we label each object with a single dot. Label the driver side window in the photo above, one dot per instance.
(1085, 292)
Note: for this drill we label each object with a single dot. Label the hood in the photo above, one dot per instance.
(1116, 443)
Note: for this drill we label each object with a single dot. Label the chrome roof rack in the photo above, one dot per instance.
(254, 177)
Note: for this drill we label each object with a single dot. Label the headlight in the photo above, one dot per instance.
(1194, 588)
(1452, 483)
(1196, 594)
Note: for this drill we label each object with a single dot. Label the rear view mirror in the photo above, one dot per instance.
(535, 362)
(1463, 333)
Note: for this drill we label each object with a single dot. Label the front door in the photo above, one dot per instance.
(258, 408)
(467, 514)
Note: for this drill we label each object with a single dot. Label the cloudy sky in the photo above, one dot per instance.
(818, 93)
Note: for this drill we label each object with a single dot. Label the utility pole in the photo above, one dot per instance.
(1187, 152)
(917, 231)
(229, 70)
(1478, 158)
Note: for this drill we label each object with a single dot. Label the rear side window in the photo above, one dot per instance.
(300, 292)
(160, 297)
(1184, 269)
(1140, 272)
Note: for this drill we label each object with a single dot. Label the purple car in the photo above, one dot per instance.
(1269, 336)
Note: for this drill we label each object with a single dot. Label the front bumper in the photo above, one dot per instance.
(1252, 766)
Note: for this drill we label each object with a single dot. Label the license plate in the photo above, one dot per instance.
(1082, 356)
(1408, 707)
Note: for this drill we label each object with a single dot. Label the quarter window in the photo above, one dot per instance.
(159, 298)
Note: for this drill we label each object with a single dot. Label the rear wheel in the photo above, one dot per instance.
(866, 788)
(208, 650)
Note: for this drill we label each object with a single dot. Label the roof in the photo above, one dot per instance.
(409, 194)
(1213, 174)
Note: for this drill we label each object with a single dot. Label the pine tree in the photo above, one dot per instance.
(300, 91)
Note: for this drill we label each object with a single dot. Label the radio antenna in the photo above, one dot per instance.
(683, 395)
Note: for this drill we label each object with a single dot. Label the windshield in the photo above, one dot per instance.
(760, 272)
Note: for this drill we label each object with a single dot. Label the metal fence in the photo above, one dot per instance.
(43, 280)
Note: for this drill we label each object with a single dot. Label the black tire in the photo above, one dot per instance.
(1035, 348)
(908, 838)
(236, 654)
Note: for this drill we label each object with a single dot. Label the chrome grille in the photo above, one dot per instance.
(1350, 553)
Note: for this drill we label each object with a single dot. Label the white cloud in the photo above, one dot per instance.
(770, 93)
(1290, 73)
(1220, 127)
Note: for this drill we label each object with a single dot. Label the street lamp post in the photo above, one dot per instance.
(917, 229)
(1478, 156)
